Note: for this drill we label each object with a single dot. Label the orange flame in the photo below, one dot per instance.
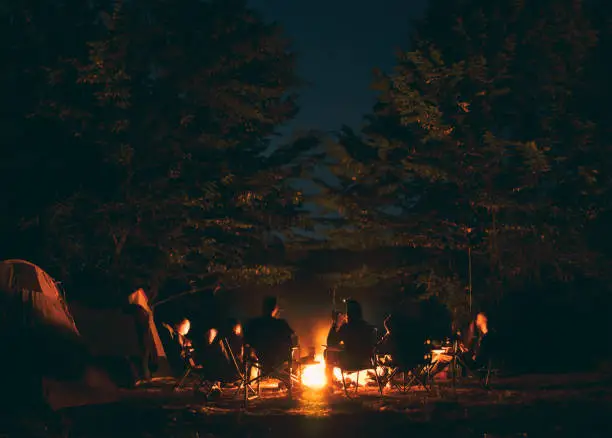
(313, 376)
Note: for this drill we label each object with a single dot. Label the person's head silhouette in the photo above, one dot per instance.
(353, 311)
(270, 307)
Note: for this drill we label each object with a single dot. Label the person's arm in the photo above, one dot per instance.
(292, 335)
(373, 335)
(247, 333)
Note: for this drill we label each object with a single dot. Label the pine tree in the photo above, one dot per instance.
(477, 145)
(39, 161)
(176, 102)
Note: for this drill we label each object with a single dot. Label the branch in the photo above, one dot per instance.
(188, 292)
(216, 287)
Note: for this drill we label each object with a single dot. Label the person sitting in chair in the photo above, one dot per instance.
(479, 352)
(357, 338)
(333, 344)
(338, 320)
(404, 345)
(217, 362)
(181, 330)
(269, 336)
(176, 344)
(235, 338)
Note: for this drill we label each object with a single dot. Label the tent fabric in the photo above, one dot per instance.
(17, 275)
(117, 335)
(39, 341)
(34, 315)
(25, 282)
(107, 332)
(140, 298)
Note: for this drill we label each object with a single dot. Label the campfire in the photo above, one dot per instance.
(314, 377)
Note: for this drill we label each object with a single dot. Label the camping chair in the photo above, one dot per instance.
(204, 377)
(191, 369)
(483, 372)
(355, 362)
(286, 372)
(412, 364)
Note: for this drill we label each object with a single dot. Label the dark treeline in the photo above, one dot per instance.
(136, 152)
(490, 144)
(133, 142)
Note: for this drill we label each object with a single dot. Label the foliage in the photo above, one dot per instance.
(480, 139)
(173, 106)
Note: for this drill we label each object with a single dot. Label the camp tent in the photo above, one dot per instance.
(35, 320)
(24, 282)
(39, 341)
(140, 298)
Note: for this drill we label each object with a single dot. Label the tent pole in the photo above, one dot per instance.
(470, 277)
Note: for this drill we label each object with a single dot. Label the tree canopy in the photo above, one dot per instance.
(143, 151)
(170, 108)
(482, 141)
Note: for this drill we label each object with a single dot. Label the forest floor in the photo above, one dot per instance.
(576, 405)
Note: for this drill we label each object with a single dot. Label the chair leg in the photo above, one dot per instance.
(421, 378)
(181, 382)
(388, 380)
(247, 378)
(290, 383)
(487, 378)
(379, 382)
(344, 383)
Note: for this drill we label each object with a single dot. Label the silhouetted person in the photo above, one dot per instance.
(404, 340)
(217, 363)
(270, 336)
(357, 337)
(332, 355)
(482, 347)
(176, 344)
(477, 348)
(235, 338)
(338, 320)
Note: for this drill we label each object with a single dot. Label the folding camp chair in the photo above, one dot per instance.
(191, 369)
(356, 364)
(482, 373)
(411, 359)
(204, 378)
(458, 364)
(411, 376)
(287, 373)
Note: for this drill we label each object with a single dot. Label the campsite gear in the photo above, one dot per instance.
(287, 372)
(157, 349)
(124, 340)
(36, 323)
(41, 347)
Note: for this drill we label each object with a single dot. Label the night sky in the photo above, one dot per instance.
(339, 43)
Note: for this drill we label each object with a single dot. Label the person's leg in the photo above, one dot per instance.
(331, 361)
(146, 362)
(468, 363)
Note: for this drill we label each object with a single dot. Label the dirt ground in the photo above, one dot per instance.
(559, 405)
